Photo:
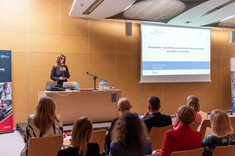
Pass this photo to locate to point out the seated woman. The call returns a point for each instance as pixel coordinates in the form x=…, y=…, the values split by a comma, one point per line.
x=193, y=102
x=130, y=137
x=222, y=132
x=44, y=123
x=183, y=137
x=81, y=134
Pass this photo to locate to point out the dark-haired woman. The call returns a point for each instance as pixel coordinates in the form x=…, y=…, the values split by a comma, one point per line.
x=130, y=137
x=60, y=72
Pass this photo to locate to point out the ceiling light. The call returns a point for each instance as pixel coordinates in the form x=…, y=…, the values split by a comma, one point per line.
x=227, y=18
x=92, y=7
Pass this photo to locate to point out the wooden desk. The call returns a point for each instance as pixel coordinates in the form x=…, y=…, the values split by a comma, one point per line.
x=97, y=105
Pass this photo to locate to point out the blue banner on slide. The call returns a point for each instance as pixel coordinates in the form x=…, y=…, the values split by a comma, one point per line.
x=164, y=65
x=5, y=66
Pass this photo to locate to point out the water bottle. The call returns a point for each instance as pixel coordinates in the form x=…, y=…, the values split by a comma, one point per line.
x=105, y=85
x=101, y=85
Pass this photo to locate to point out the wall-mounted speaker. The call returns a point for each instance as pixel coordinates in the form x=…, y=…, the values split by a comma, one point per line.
x=231, y=36
x=128, y=29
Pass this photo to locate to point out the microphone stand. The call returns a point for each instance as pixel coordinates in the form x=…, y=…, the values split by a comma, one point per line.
x=94, y=78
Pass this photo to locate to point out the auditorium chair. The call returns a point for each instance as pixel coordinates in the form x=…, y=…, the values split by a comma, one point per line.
x=195, y=152
x=195, y=125
x=204, y=115
x=45, y=145
x=157, y=134
x=232, y=118
x=208, y=131
x=224, y=150
x=206, y=123
x=98, y=136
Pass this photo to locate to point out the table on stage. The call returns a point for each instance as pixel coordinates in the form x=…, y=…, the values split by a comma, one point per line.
x=98, y=105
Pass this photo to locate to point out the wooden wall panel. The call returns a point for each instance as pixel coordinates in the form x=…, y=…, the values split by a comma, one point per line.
x=16, y=42
x=102, y=27
x=226, y=85
x=19, y=87
x=216, y=43
x=173, y=97
x=128, y=76
x=151, y=89
x=102, y=45
x=74, y=44
x=212, y=90
x=71, y=25
x=103, y=66
x=78, y=66
x=121, y=29
x=39, y=74
x=227, y=48
x=43, y=16
x=128, y=46
x=44, y=43
x=13, y=15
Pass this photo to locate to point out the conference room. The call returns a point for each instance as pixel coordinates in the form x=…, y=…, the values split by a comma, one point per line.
x=137, y=48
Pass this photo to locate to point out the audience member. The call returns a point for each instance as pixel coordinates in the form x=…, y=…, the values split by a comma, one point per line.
x=80, y=145
x=153, y=118
x=44, y=123
x=130, y=137
x=193, y=102
x=123, y=105
x=222, y=132
x=183, y=137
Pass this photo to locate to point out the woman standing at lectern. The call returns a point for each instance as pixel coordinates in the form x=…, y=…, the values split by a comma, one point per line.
x=60, y=72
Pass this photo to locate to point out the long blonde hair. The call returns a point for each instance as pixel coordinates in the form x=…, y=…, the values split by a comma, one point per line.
x=220, y=123
x=45, y=114
x=81, y=134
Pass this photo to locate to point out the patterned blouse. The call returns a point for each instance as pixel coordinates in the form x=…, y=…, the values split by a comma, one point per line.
x=32, y=131
x=211, y=142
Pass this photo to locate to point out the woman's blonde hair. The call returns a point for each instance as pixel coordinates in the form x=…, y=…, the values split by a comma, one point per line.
x=130, y=131
x=193, y=101
x=186, y=114
x=45, y=114
x=124, y=104
x=220, y=123
x=81, y=134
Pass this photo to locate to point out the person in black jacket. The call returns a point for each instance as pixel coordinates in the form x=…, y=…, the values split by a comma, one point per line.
x=153, y=118
x=123, y=105
x=60, y=72
x=80, y=145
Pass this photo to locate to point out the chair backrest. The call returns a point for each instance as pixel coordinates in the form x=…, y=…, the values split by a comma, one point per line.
x=98, y=136
x=224, y=150
x=157, y=134
x=45, y=145
x=204, y=115
x=208, y=131
x=195, y=152
x=195, y=125
x=232, y=118
x=206, y=123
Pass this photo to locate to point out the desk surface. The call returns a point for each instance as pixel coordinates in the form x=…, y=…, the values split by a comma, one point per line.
x=98, y=105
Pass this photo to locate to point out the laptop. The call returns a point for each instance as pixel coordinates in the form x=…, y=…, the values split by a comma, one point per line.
x=50, y=85
x=69, y=85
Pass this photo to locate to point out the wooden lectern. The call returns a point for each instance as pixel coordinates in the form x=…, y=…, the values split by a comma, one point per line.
x=98, y=105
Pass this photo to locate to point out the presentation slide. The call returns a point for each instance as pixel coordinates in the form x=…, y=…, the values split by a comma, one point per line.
x=174, y=54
